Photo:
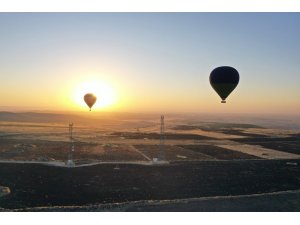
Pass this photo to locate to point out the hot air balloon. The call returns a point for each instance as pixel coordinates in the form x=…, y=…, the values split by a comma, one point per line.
x=90, y=100
x=224, y=80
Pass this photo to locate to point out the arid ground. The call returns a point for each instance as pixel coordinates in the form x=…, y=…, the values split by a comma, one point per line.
x=119, y=164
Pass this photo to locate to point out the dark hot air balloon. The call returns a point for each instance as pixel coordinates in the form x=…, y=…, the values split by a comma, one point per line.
x=90, y=100
x=224, y=80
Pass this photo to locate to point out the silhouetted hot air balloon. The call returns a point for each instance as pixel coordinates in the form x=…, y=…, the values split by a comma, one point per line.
x=90, y=100
x=224, y=80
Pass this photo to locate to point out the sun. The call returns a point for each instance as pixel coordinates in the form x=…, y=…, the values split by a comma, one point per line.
x=106, y=95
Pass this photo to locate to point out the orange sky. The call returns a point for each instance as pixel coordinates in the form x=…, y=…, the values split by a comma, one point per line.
x=149, y=62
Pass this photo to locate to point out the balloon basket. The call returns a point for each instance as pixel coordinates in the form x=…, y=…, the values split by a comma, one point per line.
x=223, y=101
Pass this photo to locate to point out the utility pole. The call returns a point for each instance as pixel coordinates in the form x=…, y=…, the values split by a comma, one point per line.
x=70, y=162
x=162, y=138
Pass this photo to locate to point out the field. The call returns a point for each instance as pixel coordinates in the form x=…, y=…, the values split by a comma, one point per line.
x=120, y=161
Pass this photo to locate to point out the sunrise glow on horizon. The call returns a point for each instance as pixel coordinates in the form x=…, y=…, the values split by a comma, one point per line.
x=106, y=95
x=149, y=62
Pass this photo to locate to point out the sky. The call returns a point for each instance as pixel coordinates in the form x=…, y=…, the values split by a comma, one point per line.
x=149, y=62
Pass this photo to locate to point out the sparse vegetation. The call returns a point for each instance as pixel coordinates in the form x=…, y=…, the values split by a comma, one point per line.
x=196, y=166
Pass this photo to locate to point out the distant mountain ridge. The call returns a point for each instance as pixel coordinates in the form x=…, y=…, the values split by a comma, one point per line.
x=94, y=118
x=37, y=117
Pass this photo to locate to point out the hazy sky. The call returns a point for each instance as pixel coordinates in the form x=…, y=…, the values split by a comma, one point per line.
x=157, y=62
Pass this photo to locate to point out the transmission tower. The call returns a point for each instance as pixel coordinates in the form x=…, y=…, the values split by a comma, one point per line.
x=162, y=138
x=70, y=161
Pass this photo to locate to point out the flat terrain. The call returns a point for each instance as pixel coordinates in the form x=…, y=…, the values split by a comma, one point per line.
x=119, y=161
x=34, y=185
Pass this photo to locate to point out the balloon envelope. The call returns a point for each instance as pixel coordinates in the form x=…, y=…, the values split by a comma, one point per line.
x=90, y=100
x=224, y=80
